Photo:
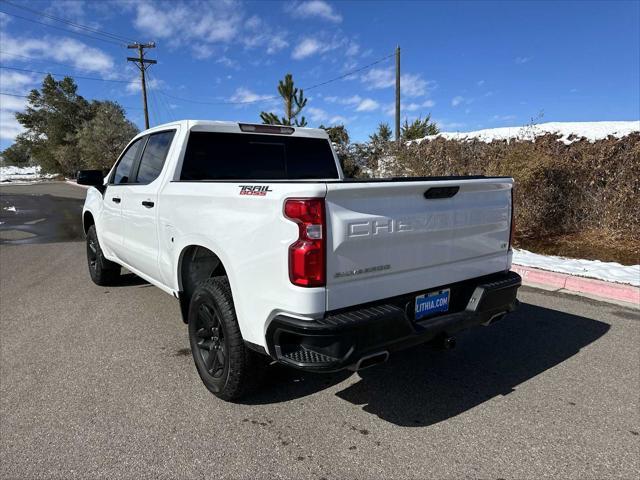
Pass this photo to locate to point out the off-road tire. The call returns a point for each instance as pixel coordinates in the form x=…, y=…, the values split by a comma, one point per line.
x=103, y=272
x=234, y=369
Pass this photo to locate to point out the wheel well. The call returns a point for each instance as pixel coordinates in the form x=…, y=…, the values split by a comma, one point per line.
x=197, y=263
x=87, y=221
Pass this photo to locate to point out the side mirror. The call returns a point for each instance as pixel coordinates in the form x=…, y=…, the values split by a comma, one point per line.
x=94, y=178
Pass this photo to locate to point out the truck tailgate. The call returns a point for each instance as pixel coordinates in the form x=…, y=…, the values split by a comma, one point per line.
x=388, y=238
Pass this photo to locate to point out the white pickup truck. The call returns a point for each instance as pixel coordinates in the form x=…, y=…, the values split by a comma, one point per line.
x=274, y=255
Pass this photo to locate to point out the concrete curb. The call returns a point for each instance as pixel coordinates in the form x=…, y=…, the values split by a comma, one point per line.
x=599, y=288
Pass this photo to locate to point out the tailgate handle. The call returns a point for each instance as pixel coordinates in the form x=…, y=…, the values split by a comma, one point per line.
x=441, y=192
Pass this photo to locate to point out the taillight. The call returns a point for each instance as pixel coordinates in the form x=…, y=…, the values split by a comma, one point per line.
x=512, y=231
x=307, y=254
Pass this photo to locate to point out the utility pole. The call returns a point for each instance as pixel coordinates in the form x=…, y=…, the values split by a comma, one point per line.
x=140, y=62
x=398, y=94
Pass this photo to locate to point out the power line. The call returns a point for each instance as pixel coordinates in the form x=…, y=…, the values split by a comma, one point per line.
x=161, y=101
x=69, y=22
x=113, y=42
x=353, y=72
x=27, y=96
x=274, y=97
x=66, y=75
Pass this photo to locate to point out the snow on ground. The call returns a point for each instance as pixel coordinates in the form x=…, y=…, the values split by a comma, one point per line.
x=23, y=175
x=608, y=271
x=569, y=131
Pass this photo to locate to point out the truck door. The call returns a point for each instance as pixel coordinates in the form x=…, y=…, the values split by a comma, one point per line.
x=110, y=233
x=140, y=206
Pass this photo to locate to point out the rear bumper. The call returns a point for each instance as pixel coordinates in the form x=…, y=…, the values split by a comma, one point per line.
x=343, y=338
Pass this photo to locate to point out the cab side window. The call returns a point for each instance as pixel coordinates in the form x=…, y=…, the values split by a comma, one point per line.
x=122, y=172
x=155, y=153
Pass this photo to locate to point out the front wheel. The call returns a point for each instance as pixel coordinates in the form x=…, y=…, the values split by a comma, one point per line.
x=225, y=365
x=103, y=272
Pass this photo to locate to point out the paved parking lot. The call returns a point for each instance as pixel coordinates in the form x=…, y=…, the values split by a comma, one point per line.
x=99, y=382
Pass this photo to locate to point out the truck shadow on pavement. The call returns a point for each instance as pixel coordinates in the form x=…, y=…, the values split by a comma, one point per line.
x=424, y=385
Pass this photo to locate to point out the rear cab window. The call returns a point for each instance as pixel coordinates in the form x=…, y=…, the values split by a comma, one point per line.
x=248, y=156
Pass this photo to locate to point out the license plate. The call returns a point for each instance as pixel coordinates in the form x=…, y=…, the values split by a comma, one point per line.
x=432, y=302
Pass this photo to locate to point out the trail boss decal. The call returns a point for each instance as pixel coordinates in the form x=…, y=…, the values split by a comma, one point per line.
x=257, y=190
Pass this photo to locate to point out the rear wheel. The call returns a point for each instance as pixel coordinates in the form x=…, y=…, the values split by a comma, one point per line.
x=225, y=365
x=103, y=272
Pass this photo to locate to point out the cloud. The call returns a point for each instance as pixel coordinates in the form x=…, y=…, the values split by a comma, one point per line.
x=18, y=83
x=308, y=47
x=244, y=95
x=208, y=21
x=480, y=83
x=204, y=26
x=152, y=83
x=522, y=60
x=315, y=8
x=4, y=20
x=377, y=78
x=411, y=85
x=227, y=62
x=322, y=43
x=318, y=115
x=59, y=49
x=201, y=50
x=455, y=101
x=367, y=105
x=390, y=108
x=258, y=34
x=360, y=104
x=9, y=126
x=353, y=100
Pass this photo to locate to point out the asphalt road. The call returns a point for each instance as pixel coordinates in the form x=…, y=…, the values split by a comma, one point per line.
x=99, y=382
x=40, y=213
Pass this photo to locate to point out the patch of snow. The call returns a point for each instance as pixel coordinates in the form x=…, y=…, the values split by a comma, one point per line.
x=10, y=209
x=569, y=132
x=608, y=271
x=23, y=175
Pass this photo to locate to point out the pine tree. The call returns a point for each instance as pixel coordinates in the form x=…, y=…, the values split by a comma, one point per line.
x=294, y=102
x=102, y=139
x=65, y=133
x=51, y=119
x=418, y=128
x=381, y=136
x=337, y=134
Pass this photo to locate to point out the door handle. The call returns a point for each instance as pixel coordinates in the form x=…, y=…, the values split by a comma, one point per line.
x=148, y=203
x=115, y=200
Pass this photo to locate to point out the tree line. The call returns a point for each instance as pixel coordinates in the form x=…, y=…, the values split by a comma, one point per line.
x=64, y=132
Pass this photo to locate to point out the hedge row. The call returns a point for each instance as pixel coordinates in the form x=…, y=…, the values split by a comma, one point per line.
x=560, y=188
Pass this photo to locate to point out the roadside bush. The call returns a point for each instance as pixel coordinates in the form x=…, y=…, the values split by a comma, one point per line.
x=560, y=189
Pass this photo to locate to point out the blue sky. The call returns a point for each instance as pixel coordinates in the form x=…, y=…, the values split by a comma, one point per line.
x=471, y=65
